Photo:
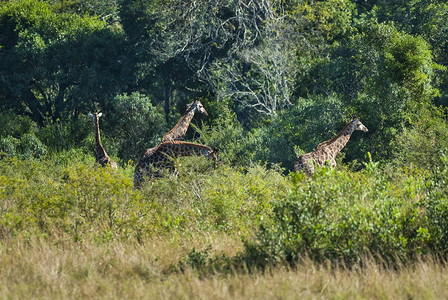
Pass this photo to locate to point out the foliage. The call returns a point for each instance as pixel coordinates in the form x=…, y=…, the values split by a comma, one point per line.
x=424, y=143
x=63, y=136
x=345, y=217
x=56, y=64
x=69, y=195
x=15, y=125
x=277, y=78
x=106, y=9
x=342, y=216
x=436, y=205
x=226, y=134
x=133, y=118
x=28, y=146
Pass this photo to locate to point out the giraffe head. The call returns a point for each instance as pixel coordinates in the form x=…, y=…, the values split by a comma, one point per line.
x=95, y=116
x=196, y=105
x=358, y=125
x=214, y=154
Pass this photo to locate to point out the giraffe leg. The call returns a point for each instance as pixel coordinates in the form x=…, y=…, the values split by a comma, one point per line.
x=137, y=178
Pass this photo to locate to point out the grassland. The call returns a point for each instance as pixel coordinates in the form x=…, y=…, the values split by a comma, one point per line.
x=79, y=231
x=39, y=269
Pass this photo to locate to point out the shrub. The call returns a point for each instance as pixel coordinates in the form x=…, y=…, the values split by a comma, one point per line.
x=423, y=143
x=8, y=146
x=436, y=205
x=237, y=146
x=135, y=125
x=15, y=125
x=64, y=136
x=28, y=146
x=342, y=216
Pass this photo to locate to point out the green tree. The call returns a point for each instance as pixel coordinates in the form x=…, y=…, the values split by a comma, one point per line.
x=424, y=18
x=385, y=75
x=56, y=65
x=135, y=125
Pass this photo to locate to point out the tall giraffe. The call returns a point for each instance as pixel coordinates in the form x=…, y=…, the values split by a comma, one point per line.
x=328, y=150
x=162, y=158
x=177, y=133
x=100, y=154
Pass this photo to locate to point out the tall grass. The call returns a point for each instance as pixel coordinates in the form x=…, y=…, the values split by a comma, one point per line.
x=70, y=229
x=38, y=269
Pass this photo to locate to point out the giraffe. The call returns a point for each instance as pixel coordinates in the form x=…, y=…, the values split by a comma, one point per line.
x=178, y=131
x=162, y=158
x=101, y=156
x=328, y=150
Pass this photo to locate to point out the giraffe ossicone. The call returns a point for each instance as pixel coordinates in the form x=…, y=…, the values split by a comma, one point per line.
x=327, y=151
x=101, y=156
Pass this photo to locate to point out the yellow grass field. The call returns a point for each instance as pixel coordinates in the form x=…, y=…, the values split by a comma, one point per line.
x=35, y=269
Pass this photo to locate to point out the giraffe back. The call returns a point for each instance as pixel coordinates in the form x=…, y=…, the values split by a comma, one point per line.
x=161, y=158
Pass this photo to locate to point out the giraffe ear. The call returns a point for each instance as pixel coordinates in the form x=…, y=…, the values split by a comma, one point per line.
x=100, y=114
x=354, y=118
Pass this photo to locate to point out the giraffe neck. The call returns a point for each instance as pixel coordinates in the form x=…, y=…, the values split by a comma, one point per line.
x=181, y=127
x=100, y=152
x=335, y=145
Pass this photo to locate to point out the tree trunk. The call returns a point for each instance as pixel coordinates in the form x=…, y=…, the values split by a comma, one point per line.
x=167, y=99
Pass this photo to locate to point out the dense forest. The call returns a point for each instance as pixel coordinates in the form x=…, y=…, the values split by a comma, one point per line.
x=276, y=78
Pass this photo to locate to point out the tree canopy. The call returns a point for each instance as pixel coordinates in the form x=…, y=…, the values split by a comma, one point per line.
x=274, y=74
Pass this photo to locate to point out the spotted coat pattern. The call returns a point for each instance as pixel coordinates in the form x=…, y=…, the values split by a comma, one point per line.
x=162, y=158
x=100, y=154
x=326, y=152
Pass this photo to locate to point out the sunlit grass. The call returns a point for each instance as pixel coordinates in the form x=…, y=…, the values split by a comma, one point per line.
x=37, y=269
x=79, y=231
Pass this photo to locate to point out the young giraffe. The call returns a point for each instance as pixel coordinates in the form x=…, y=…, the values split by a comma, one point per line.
x=101, y=156
x=177, y=133
x=328, y=150
x=162, y=158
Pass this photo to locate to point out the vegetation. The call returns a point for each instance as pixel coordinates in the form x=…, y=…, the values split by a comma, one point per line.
x=276, y=78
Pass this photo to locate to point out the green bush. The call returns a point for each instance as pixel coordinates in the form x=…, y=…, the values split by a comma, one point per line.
x=134, y=124
x=8, y=146
x=423, y=143
x=74, y=201
x=225, y=199
x=237, y=146
x=28, y=146
x=342, y=216
x=79, y=200
x=61, y=136
x=436, y=206
x=15, y=125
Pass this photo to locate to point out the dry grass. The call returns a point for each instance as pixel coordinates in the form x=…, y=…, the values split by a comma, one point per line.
x=37, y=269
